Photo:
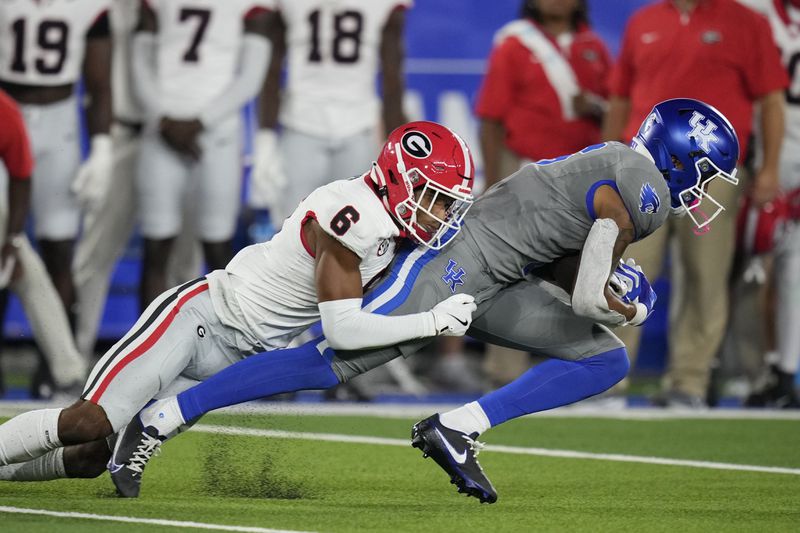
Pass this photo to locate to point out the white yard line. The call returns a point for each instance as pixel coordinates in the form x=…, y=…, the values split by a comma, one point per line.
x=518, y=450
x=149, y=521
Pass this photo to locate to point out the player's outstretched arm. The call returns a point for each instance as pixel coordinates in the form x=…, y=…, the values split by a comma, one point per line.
x=347, y=326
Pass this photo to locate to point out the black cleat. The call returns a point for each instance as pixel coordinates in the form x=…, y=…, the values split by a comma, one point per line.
x=134, y=448
x=456, y=453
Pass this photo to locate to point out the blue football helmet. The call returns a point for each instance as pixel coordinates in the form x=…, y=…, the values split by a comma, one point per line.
x=691, y=143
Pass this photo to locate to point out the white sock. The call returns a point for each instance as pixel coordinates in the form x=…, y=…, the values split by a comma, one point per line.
x=164, y=415
x=28, y=436
x=48, y=466
x=469, y=418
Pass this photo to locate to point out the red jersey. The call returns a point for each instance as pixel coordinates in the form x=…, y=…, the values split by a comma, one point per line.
x=15, y=149
x=517, y=92
x=721, y=53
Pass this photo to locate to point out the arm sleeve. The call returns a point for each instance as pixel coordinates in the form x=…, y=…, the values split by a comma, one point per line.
x=588, y=297
x=347, y=327
x=254, y=59
x=143, y=71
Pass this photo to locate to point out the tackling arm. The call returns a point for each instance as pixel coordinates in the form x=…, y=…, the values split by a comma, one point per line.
x=347, y=326
x=339, y=291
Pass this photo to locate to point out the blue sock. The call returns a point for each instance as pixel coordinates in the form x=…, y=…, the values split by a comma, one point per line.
x=555, y=383
x=258, y=376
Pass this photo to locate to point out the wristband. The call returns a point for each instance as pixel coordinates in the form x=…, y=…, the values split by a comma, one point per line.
x=640, y=316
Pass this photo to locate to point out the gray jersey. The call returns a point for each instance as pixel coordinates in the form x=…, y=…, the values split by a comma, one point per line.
x=545, y=210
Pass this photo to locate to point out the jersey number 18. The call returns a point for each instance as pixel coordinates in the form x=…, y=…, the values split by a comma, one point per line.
x=347, y=27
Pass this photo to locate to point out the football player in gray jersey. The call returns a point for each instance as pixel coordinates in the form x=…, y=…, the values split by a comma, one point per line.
x=582, y=209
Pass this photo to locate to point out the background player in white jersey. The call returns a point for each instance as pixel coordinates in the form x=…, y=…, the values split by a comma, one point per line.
x=195, y=65
x=784, y=19
x=108, y=226
x=45, y=47
x=340, y=237
x=329, y=110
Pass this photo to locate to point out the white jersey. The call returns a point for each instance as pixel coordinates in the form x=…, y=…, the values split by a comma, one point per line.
x=124, y=17
x=268, y=290
x=199, y=42
x=333, y=52
x=42, y=42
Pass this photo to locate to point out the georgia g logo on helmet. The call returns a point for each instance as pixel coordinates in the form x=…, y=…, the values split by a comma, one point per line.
x=416, y=144
x=703, y=133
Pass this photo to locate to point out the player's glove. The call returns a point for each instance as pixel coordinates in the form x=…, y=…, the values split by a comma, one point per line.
x=453, y=316
x=91, y=183
x=267, y=179
x=630, y=284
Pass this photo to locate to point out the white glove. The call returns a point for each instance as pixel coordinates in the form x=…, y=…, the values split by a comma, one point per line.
x=91, y=183
x=453, y=316
x=267, y=179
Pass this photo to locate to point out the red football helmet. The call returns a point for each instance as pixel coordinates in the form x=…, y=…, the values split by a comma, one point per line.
x=425, y=160
x=759, y=229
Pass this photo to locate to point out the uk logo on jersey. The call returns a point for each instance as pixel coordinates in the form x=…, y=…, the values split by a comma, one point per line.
x=453, y=277
x=702, y=132
x=649, y=202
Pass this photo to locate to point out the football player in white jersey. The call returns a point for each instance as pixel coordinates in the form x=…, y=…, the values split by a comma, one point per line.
x=45, y=47
x=784, y=19
x=338, y=239
x=195, y=65
x=329, y=111
x=107, y=227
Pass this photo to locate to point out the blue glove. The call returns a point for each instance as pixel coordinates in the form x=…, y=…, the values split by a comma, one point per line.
x=636, y=290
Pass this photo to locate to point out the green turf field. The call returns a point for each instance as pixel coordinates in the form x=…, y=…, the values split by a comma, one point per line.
x=301, y=484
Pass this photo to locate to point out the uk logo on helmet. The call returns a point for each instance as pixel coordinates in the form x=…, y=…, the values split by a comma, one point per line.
x=649, y=202
x=703, y=133
x=416, y=144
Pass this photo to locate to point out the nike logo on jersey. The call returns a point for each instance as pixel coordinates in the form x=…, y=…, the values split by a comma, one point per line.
x=459, y=458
